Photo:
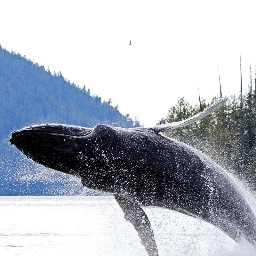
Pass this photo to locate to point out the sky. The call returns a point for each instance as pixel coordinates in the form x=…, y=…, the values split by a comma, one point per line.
x=177, y=47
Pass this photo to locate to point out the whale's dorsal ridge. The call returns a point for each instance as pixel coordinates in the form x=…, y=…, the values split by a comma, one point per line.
x=188, y=121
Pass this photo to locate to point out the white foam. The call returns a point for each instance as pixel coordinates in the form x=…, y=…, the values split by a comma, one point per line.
x=242, y=249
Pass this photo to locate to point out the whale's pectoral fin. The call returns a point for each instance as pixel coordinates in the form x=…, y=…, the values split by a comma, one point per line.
x=186, y=122
x=136, y=215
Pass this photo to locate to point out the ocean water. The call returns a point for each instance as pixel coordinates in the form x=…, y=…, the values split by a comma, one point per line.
x=94, y=226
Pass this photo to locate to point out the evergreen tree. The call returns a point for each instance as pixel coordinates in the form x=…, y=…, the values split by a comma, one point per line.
x=227, y=136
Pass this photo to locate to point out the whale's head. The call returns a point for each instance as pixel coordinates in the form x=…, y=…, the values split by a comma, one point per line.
x=69, y=149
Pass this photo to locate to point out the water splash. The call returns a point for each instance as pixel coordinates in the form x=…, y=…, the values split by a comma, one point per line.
x=21, y=176
x=242, y=249
x=245, y=190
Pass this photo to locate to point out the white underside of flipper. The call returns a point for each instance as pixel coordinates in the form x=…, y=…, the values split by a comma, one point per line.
x=188, y=121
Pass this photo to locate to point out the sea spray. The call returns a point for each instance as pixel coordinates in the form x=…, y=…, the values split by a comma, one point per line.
x=242, y=249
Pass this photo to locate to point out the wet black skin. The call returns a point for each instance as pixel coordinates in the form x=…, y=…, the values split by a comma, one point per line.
x=143, y=167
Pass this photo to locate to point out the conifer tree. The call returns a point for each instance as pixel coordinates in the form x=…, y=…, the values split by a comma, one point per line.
x=228, y=135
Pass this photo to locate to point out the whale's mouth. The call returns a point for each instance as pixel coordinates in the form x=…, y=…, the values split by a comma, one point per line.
x=53, y=129
x=34, y=138
x=50, y=144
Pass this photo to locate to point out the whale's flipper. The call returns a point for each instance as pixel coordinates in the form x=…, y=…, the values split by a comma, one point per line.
x=188, y=121
x=138, y=218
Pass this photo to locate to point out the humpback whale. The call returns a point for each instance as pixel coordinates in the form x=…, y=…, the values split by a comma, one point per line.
x=142, y=167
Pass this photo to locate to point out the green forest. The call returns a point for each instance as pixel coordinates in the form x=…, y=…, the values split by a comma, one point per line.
x=228, y=136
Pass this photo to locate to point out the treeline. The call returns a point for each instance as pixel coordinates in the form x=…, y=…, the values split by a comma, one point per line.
x=228, y=136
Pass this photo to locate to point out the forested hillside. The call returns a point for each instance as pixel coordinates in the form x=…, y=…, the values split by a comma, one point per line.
x=30, y=94
x=228, y=136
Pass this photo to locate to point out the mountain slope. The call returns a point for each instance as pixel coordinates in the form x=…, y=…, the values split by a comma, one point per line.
x=29, y=94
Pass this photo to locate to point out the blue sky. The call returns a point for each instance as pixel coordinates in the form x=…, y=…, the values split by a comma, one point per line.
x=177, y=47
